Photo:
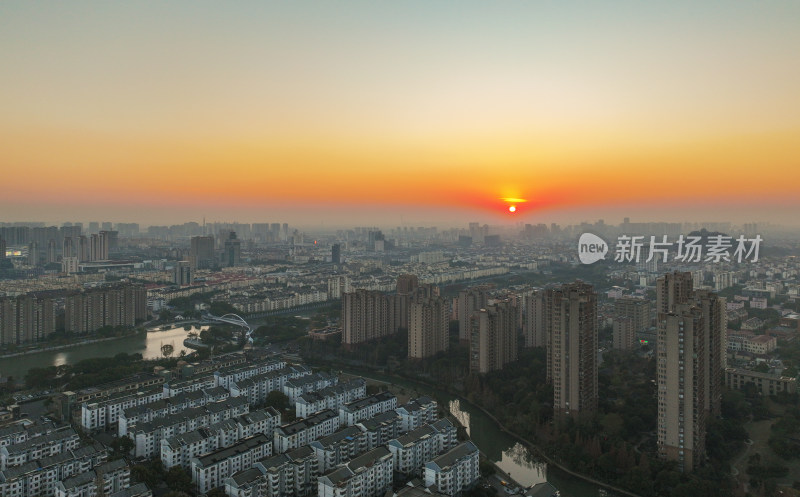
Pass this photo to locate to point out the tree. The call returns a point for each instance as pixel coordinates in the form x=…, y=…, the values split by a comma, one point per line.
x=761, y=368
x=278, y=400
x=612, y=423
x=178, y=479
x=122, y=445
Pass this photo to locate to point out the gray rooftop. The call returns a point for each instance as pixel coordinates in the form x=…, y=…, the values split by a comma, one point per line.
x=368, y=401
x=239, y=447
x=453, y=455
x=302, y=424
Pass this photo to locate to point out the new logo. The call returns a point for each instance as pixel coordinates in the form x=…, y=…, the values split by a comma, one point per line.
x=591, y=248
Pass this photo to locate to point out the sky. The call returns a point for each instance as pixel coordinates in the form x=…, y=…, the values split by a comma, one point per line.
x=344, y=113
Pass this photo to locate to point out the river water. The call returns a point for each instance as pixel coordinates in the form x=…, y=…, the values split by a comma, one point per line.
x=499, y=447
x=148, y=344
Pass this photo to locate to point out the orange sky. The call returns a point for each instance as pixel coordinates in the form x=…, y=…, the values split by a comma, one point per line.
x=138, y=112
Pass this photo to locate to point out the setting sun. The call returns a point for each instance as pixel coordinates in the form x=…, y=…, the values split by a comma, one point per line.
x=512, y=208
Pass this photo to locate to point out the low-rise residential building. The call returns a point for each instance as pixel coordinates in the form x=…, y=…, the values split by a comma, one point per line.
x=256, y=388
x=369, y=475
x=311, y=383
x=38, y=478
x=105, y=479
x=747, y=342
x=332, y=397
x=246, y=483
x=259, y=421
x=175, y=387
x=180, y=449
x=144, y=413
x=211, y=470
x=765, y=383
x=104, y=413
x=304, y=431
x=454, y=471
x=412, y=450
x=418, y=412
x=353, y=412
x=380, y=428
x=339, y=447
x=294, y=473
x=138, y=490
x=148, y=436
x=224, y=377
x=31, y=449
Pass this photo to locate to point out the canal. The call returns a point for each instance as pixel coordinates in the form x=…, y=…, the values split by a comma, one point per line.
x=148, y=344
x=498, y=446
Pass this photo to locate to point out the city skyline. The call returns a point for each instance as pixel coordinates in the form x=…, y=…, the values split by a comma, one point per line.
x=156, y=113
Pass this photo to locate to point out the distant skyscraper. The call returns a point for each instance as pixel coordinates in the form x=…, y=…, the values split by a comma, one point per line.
x=98, y=247
x=428, y=326
x=631, y=317
x=336, y=253
x=493, y=337
x=33, y=254
x=691, y=359
x=84, y=249
x=469, y=301
x=51, y=251
x=68, y=247
x=571, y=320
x=201, y=252
x=2, y=249
x=232, y=251
x=183, y=274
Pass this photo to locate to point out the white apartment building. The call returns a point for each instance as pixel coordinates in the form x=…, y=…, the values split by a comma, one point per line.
x=369, y=475
x=104, y=414
x=380, y=428
x=38, y=478
x=454, y=471
x=339, y=447
x=212, y=469
x=353, y=412
x=304, y=431
x=148, y=436
x=332, y=397
x=114, y=476
x=225, y=376
x=45, y=445
x=412, y=450
x=417, y=412
x=294, y=388
x=293, y=474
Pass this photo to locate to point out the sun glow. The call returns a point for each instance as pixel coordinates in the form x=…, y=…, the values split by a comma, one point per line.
x=512, y=208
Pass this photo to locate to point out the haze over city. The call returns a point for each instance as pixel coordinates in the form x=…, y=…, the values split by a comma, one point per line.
x=399, y=249
x=159, y=113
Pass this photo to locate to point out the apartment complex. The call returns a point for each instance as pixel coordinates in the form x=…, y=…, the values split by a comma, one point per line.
x=493, y=337
x=690, y=363
x=571, y=321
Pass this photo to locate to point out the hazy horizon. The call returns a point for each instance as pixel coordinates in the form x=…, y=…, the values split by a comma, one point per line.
x=399, y=113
